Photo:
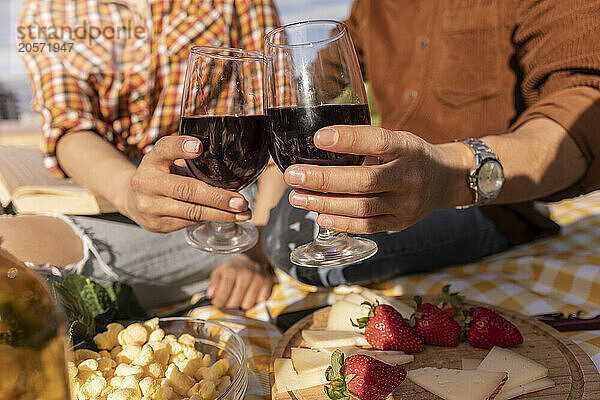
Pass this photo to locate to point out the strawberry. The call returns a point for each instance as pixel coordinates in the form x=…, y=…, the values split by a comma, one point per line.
x=433, y=325
x=385, y=329
x=361, y=377
x=450, y=303
x=487, y=329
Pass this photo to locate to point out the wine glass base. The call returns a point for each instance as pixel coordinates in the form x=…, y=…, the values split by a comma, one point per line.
x=222, y=238
x=341, y=251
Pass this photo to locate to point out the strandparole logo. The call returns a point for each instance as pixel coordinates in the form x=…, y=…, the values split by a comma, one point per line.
x=84, y=31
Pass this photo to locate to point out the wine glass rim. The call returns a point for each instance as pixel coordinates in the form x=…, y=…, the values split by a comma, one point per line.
x=272, y=33
x=221, y=53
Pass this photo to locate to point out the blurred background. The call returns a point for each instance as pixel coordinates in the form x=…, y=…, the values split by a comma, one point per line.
x=15, y=92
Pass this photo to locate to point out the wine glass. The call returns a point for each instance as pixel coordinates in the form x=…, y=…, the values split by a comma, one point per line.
x=222, y=106
x=313, y=80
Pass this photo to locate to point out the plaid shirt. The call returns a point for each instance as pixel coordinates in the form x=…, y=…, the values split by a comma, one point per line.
x=123, y=75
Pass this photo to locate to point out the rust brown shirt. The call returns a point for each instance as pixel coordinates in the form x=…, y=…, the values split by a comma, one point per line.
x=447, y=69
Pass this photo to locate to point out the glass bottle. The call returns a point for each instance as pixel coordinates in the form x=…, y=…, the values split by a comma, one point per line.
x=32, y=337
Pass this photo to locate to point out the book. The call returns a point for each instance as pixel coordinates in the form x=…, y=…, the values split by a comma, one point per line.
x=26, y=184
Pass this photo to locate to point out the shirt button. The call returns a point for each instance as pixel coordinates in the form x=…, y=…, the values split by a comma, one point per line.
x=412, y=94
x=423, y=42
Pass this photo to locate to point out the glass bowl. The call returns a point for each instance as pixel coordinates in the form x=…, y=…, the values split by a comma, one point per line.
x=220, y=342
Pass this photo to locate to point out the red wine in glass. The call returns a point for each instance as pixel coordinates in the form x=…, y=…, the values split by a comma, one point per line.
x=234, y=149
x=291, y=131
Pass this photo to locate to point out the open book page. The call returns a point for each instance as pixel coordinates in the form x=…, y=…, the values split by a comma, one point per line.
x=25, y=182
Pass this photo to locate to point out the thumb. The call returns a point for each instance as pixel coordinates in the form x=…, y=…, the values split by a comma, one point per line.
x=170, y=148
x=360, y=140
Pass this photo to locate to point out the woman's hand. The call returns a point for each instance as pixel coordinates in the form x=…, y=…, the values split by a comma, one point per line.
x=240, y=283
x=160, y=201
x=403, y=179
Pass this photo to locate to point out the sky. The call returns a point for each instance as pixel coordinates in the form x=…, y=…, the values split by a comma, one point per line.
x=12, y=72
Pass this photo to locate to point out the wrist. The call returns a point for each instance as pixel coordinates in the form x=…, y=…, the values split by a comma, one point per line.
x=122, y=190
x=457, y=163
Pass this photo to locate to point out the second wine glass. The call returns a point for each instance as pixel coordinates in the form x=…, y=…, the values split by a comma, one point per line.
x=313, y=80
x=222, y=106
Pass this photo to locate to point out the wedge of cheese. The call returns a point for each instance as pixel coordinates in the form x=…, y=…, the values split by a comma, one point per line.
x=355, y=298
x=341, y=314
x=286, y=378
x=456, y=384
x=469, y=364
x=400, y=306
x=531, y=387
x=309, y=360
x=521, y=370
x=319, y=339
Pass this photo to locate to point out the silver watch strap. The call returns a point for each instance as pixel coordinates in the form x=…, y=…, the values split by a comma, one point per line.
x=481, y=151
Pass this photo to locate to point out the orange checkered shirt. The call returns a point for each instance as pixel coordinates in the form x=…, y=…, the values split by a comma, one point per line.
x=117, y=66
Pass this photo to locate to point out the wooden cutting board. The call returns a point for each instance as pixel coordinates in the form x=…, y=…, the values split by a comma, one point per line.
x=570, y=368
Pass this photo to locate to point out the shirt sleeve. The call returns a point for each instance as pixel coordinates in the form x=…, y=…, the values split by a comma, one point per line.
x=61, y=81
x=558, y=48
x=255, y=18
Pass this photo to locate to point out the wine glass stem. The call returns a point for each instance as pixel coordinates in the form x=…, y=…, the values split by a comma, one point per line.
x=326, y=235
x=224, y=229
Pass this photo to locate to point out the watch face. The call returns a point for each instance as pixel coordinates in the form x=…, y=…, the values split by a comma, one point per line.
x=490, y=178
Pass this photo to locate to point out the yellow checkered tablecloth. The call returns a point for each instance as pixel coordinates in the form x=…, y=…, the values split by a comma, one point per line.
x=557, y=274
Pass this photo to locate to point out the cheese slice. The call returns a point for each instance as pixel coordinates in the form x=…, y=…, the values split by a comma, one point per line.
x=469, y=364
x=456, y=384
x=319, y=339
x=309, y=360
x=531, y=387
x=355, y=298
x=400, y=306
x=286, y=379
x=521, y=370
x=341, y=314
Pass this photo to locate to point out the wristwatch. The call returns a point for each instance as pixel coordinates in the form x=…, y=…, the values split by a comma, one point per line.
x=487, y=178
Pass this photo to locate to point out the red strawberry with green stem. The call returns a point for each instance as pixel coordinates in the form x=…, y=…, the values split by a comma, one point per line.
x=486, y=329
x=361, y=377
x=450, y=303
x=433, y=325
x=385, y=329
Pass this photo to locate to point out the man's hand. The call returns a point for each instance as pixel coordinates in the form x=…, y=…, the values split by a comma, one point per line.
x=160, y=201
x=403, y=179
x=240, y=283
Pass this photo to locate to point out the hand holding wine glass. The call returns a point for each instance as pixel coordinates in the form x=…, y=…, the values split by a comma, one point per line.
x=160, y=201
x=313, y=80
x=403, y=179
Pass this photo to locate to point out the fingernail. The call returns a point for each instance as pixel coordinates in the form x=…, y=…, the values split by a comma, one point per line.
x=243, y=217
x=192, y=146
x=326, y=137
x=299, y=200
x=238, y=203
x=325, y=222
x=294, y=176
x=210, y=292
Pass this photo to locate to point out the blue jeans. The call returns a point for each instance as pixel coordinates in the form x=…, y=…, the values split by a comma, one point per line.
x=445, y=237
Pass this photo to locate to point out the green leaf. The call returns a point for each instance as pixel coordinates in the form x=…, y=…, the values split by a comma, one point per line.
x=329, y=374
x=337, y=364
x=328, y=392
x=354, y=396
x=80, y=322
x=349, y=377
x=128, y=306
x=338, y=385
x=418, y=301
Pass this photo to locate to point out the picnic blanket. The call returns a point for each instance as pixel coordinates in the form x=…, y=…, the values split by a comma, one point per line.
x=561, y=273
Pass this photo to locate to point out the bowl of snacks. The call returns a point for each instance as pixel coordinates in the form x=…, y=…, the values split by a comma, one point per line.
x=166, y=358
